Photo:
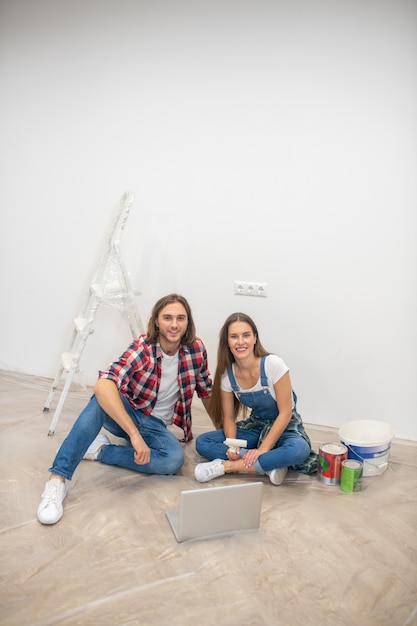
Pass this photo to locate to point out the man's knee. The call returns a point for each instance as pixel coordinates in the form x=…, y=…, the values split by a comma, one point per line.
x=174, y=462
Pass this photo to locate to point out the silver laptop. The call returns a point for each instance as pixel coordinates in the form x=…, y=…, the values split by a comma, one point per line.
x=212, y=511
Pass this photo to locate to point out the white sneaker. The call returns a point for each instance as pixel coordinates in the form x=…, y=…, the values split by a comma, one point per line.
x=95, y=447
x=276, y=476
x=50, y=509
x=207, y=471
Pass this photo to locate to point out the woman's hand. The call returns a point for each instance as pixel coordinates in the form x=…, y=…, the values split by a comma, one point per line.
x=251, y=456
x=233, y=454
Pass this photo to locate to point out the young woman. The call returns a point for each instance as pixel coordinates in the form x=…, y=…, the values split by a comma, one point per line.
x=247, y=376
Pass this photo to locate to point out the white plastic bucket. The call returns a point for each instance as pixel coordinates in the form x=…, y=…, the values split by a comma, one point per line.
x=368, y=441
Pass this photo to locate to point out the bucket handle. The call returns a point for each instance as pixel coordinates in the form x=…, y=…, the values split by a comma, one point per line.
x=378, y=465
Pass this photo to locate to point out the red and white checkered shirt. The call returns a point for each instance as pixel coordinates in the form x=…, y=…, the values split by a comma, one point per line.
x=137, y=374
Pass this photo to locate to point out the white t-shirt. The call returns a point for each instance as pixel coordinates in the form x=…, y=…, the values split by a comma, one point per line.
x=275, y=368
x=168, y=388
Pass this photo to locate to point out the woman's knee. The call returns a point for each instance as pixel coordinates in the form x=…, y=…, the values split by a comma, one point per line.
x=206, y=441
x=301, y=450
x=199, y=442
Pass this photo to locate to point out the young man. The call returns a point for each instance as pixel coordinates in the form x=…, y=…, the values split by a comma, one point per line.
x=149, y=386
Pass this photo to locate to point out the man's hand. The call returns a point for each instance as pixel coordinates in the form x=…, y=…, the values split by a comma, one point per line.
x=142, y=454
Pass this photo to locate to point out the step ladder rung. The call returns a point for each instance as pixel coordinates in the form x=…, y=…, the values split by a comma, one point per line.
x=108, y=289
x=80, y=323
x=69, y=360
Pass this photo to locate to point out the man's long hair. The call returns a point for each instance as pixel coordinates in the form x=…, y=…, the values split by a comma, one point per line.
x=189, y=336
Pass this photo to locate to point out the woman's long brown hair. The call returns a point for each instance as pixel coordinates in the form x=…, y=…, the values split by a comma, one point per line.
x=224, y=362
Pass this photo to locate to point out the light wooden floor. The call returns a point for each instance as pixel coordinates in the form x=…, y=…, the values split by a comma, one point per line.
x=321, y=556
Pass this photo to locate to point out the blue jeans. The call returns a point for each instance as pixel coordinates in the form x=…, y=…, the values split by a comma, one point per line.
x=290, y=449
x=167, y=455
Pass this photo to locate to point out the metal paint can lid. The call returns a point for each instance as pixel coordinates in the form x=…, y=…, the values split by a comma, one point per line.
x=334, y=448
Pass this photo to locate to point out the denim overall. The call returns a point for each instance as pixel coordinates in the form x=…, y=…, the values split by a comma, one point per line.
x=261, y=402
x=292, y=448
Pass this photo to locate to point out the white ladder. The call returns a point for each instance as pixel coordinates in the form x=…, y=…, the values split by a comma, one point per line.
x=110, y=286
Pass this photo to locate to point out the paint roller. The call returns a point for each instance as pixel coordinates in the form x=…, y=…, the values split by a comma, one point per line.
x=233, y=444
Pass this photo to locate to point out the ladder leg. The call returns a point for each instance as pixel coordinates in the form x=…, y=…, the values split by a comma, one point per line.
x=74, y=368
x=131, y=316
x=53, y=389
x=62, y=399
x=58, y=376
x=69, y=349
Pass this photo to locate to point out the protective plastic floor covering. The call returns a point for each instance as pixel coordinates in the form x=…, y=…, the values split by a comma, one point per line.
x=320, y=557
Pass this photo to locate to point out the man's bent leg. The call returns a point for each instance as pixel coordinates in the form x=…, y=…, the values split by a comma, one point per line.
x=167, y=456
x=84, y=431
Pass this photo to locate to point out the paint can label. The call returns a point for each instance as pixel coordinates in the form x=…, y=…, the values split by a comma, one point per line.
x=331, y=456
x=351, y=475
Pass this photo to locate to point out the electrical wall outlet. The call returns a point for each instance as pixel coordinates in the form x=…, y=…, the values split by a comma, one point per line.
x=245, y=288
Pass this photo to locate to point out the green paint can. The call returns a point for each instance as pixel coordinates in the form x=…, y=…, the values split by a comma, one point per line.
x=350, y=476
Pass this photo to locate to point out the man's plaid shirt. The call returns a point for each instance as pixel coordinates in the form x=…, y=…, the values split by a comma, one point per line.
x=137, y=374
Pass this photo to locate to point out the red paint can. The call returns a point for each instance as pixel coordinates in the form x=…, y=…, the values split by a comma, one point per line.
x=331, y=457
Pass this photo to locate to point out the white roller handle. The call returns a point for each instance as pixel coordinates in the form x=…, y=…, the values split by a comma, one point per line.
x=233, y=444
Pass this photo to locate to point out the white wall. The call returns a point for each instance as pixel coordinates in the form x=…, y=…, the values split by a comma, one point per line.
x=265, y=140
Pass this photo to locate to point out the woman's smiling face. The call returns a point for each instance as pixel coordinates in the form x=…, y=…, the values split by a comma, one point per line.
x=241, y=339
